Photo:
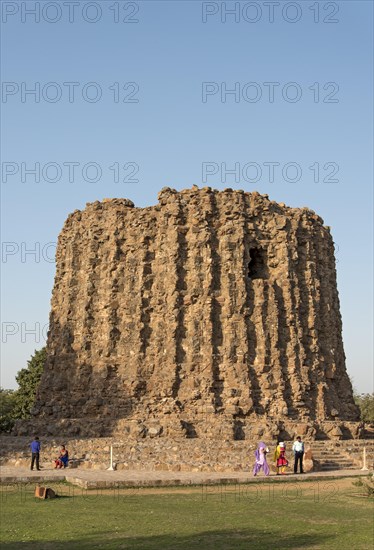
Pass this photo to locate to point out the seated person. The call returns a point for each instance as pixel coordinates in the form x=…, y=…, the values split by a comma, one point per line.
x=63, y=459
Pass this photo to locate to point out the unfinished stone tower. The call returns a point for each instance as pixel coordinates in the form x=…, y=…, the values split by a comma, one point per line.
x=211, y=314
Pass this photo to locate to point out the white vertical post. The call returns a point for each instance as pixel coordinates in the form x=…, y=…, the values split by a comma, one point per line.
x=364, y=467
x=111, y=469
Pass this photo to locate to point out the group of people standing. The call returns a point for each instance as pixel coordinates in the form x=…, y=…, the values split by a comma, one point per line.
x=280, y=459
x=61, y=461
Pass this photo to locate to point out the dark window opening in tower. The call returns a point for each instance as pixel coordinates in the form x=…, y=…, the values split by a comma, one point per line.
x=257, y=266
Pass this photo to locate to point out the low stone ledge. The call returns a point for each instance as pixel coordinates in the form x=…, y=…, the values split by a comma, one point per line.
x=110, y=480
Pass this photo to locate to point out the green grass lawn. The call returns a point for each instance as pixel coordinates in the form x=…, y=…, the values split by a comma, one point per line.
x=264, y=515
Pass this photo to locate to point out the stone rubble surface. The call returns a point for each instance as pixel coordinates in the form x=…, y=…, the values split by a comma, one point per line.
x=210, y=315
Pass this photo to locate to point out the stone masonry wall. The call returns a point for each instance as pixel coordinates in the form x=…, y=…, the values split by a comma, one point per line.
x=162, y=453
x=203, y=316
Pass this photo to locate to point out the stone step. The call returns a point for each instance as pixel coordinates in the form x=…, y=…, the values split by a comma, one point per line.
x=369, y=445
x=342, y=457
x=328, y=452
x=328, y=468
x=342, y=454
x=334, y=467
x=333, y=464
x=332, y=461
x=328, y=456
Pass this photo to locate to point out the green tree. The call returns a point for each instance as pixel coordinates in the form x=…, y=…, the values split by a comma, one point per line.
x=28, y=380
x=366, y=403
x=7, y=409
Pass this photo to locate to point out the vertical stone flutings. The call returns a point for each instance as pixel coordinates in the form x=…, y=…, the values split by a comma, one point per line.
x=180, y=289
x=215, y=306
x=211, y=309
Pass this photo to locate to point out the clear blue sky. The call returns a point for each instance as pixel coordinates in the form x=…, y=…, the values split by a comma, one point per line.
x=168, y=134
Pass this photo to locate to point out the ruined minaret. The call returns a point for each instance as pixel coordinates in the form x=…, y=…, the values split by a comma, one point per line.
x=206, y=314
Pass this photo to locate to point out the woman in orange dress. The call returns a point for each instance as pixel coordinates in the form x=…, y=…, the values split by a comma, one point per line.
x=281, y=461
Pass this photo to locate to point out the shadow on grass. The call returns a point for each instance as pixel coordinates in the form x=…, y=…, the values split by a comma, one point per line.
x=242, y=539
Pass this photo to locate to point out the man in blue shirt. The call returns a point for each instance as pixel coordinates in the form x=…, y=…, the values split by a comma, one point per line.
x=35, y=453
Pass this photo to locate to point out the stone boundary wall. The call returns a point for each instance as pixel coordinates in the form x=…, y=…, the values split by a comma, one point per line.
x=173, y=455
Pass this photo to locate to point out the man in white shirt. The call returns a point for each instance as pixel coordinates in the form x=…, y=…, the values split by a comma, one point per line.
x=298, y=451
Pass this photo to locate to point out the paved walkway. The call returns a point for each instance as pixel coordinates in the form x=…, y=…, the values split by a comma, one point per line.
x=91, y=479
